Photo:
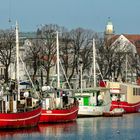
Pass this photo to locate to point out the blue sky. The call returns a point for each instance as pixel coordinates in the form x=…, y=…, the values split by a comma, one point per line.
x=88, y=14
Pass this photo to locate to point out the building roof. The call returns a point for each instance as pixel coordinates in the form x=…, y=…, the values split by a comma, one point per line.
x=133, y=38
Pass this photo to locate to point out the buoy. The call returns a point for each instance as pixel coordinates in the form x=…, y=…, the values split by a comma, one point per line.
x=118, y=132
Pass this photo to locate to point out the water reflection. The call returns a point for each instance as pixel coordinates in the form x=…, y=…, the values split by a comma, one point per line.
x=94, y=128
x=18, y=133
x=57, y=129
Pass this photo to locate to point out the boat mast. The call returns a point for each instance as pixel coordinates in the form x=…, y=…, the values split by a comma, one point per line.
x=58, y=71
x=126, y=68
x=17, y=56
x=81, y=77
x=94, y=63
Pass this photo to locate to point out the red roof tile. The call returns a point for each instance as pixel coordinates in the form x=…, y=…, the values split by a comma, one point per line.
x=133, y=38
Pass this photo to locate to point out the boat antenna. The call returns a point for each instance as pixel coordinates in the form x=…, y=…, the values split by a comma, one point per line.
x=10, y=6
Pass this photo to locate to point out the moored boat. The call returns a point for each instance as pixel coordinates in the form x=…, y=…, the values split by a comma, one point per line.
x=19, y=107
x=117, y=112
x=20, y=119
x=125, y=95
x=112, y=114
x=93, y=101
x=58, y=106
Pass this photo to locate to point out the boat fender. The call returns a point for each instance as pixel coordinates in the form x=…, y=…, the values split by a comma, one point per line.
x=26, y=94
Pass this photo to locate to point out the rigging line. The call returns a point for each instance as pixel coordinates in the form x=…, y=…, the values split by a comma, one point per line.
x=65, y=74
x=29, y=77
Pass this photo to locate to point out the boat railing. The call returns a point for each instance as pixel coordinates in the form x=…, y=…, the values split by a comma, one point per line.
x=24, y=107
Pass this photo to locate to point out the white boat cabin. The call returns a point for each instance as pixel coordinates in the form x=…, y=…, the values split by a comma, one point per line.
x=124, y=92
x=93, y=97
x=57, y=99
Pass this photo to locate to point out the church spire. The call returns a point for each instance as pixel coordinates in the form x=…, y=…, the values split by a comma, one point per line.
x=109, y=27
x=109, y=30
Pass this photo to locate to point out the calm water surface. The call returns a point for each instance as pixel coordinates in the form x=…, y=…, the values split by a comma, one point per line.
x=97, y=128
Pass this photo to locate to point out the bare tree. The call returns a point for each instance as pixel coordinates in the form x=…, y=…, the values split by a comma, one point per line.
x=77, y=48
x=33, y=54
x=112, y=59
x=65, y=54
x=48, y=35
x=7, y=43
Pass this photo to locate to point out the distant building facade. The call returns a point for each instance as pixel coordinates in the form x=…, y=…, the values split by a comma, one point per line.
x=127, y=43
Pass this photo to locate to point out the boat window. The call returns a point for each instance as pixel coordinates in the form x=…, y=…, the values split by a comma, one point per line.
x=22, y=96
x=136, y=91
x=123, y=97
x=57, y=94
x=119, y=96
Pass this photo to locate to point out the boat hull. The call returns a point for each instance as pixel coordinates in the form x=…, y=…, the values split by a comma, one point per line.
x=59, y=115
x=20, y=120
x=128, y=107
x=112, y=114
x=92, y=110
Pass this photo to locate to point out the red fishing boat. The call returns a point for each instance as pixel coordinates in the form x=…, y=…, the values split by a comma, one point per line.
x=128, y=107
x=20, y=119
x=58, y=106
x=19, y=110
x=59, y=115
x=125, y=96
x=20, y=105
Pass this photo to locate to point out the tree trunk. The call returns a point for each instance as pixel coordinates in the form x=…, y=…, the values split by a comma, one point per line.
x=48, y=78
x=6, y=75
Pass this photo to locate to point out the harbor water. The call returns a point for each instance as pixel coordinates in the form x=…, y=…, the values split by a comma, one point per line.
x=93, y=128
